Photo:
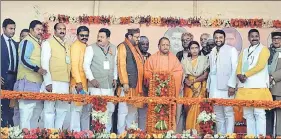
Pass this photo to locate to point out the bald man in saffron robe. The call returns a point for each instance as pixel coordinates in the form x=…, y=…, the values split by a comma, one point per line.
x=165, y=62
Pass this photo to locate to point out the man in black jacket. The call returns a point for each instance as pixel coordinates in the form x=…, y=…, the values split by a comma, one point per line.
x=9, y=64
x=185, y=38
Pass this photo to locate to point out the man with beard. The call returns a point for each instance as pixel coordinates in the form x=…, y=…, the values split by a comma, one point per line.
x=130, y=70
x=9, y=63
x=29, y=78
x=274, y=62
x=55, y=58
x=221, y=82
x=101, y=71
x=142, y=112
x=78, y=81
x=253, y=75
x=185, y=39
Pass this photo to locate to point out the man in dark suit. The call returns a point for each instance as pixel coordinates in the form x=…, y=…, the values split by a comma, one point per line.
x=9, y=64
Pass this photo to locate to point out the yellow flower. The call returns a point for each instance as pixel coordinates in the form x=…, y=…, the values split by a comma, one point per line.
x=123, y=135
x=113, y=136
x=154, y=136
x=133, y=136
x=250, y=136
x=53, y=130
x=147, y=136
x=160, y=136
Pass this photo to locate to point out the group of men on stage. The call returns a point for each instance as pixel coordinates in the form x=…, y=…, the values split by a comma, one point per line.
x=56, y=66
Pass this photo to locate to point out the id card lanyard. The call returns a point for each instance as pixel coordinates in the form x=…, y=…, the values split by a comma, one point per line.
x=67, y=58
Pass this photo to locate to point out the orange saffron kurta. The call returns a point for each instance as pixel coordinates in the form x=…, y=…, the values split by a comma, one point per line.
x=163, y=64
x=160, y=63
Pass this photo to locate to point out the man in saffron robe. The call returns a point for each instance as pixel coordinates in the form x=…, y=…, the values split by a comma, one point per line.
x=130, y=71
x=166, y=62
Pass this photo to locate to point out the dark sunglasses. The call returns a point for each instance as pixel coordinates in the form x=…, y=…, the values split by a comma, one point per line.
x=83, y=35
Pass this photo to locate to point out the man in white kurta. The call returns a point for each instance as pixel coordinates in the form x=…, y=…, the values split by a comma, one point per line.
x=101, y=70
x=55, y=58
x=222, y=80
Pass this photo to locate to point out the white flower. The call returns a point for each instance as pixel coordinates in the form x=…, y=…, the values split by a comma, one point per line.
x=169, y=134
x=213, y=117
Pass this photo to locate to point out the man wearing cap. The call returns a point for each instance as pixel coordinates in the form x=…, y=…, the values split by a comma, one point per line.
x=274, y=63
x=130, y=70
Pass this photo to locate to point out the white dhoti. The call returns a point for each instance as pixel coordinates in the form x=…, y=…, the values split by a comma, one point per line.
x=256, y=120
x=110, y=106
x=29, y=110
x=180, y=116
x=79, y=116
x=127, y=115
x=224, y=114
x=55, y=111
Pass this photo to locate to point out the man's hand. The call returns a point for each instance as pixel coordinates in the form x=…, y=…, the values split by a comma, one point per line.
x=42, y=71
x=79, y=87
x=242, y=78
x=187, y=82
x=2, y=81
x=126, y=87
x=271, y=79
x=231, y=91
x=49, y=88
x=95, y=83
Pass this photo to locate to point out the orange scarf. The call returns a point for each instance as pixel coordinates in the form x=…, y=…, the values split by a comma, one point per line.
x=140, y=63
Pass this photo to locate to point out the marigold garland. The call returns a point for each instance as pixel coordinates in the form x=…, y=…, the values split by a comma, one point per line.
x=167, y=21
x=161, y=85
x=131, y=100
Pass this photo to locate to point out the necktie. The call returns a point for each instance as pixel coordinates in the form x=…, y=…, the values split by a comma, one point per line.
x=12, y=56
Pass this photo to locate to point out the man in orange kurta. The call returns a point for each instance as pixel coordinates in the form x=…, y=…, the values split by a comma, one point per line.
x=130, y=71
x=165, y=62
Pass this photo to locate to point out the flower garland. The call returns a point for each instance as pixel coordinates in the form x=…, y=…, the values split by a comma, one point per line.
x=160, y=116
x=206, y=118
x=132, y=100
x=46, y=33
x=16, y=132
x=166, y=21
x=99, y=117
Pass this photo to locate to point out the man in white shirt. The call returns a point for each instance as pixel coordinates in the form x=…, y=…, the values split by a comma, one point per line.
x=55, y=58
x=221, y=82
x=100, y=67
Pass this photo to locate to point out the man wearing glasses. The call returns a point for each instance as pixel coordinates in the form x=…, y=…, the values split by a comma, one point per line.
x=101, y=71
x=253, y=75
x=78, y=81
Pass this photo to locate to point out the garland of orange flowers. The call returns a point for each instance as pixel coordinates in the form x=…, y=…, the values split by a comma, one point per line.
x=6, y=94
x=152, y=117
